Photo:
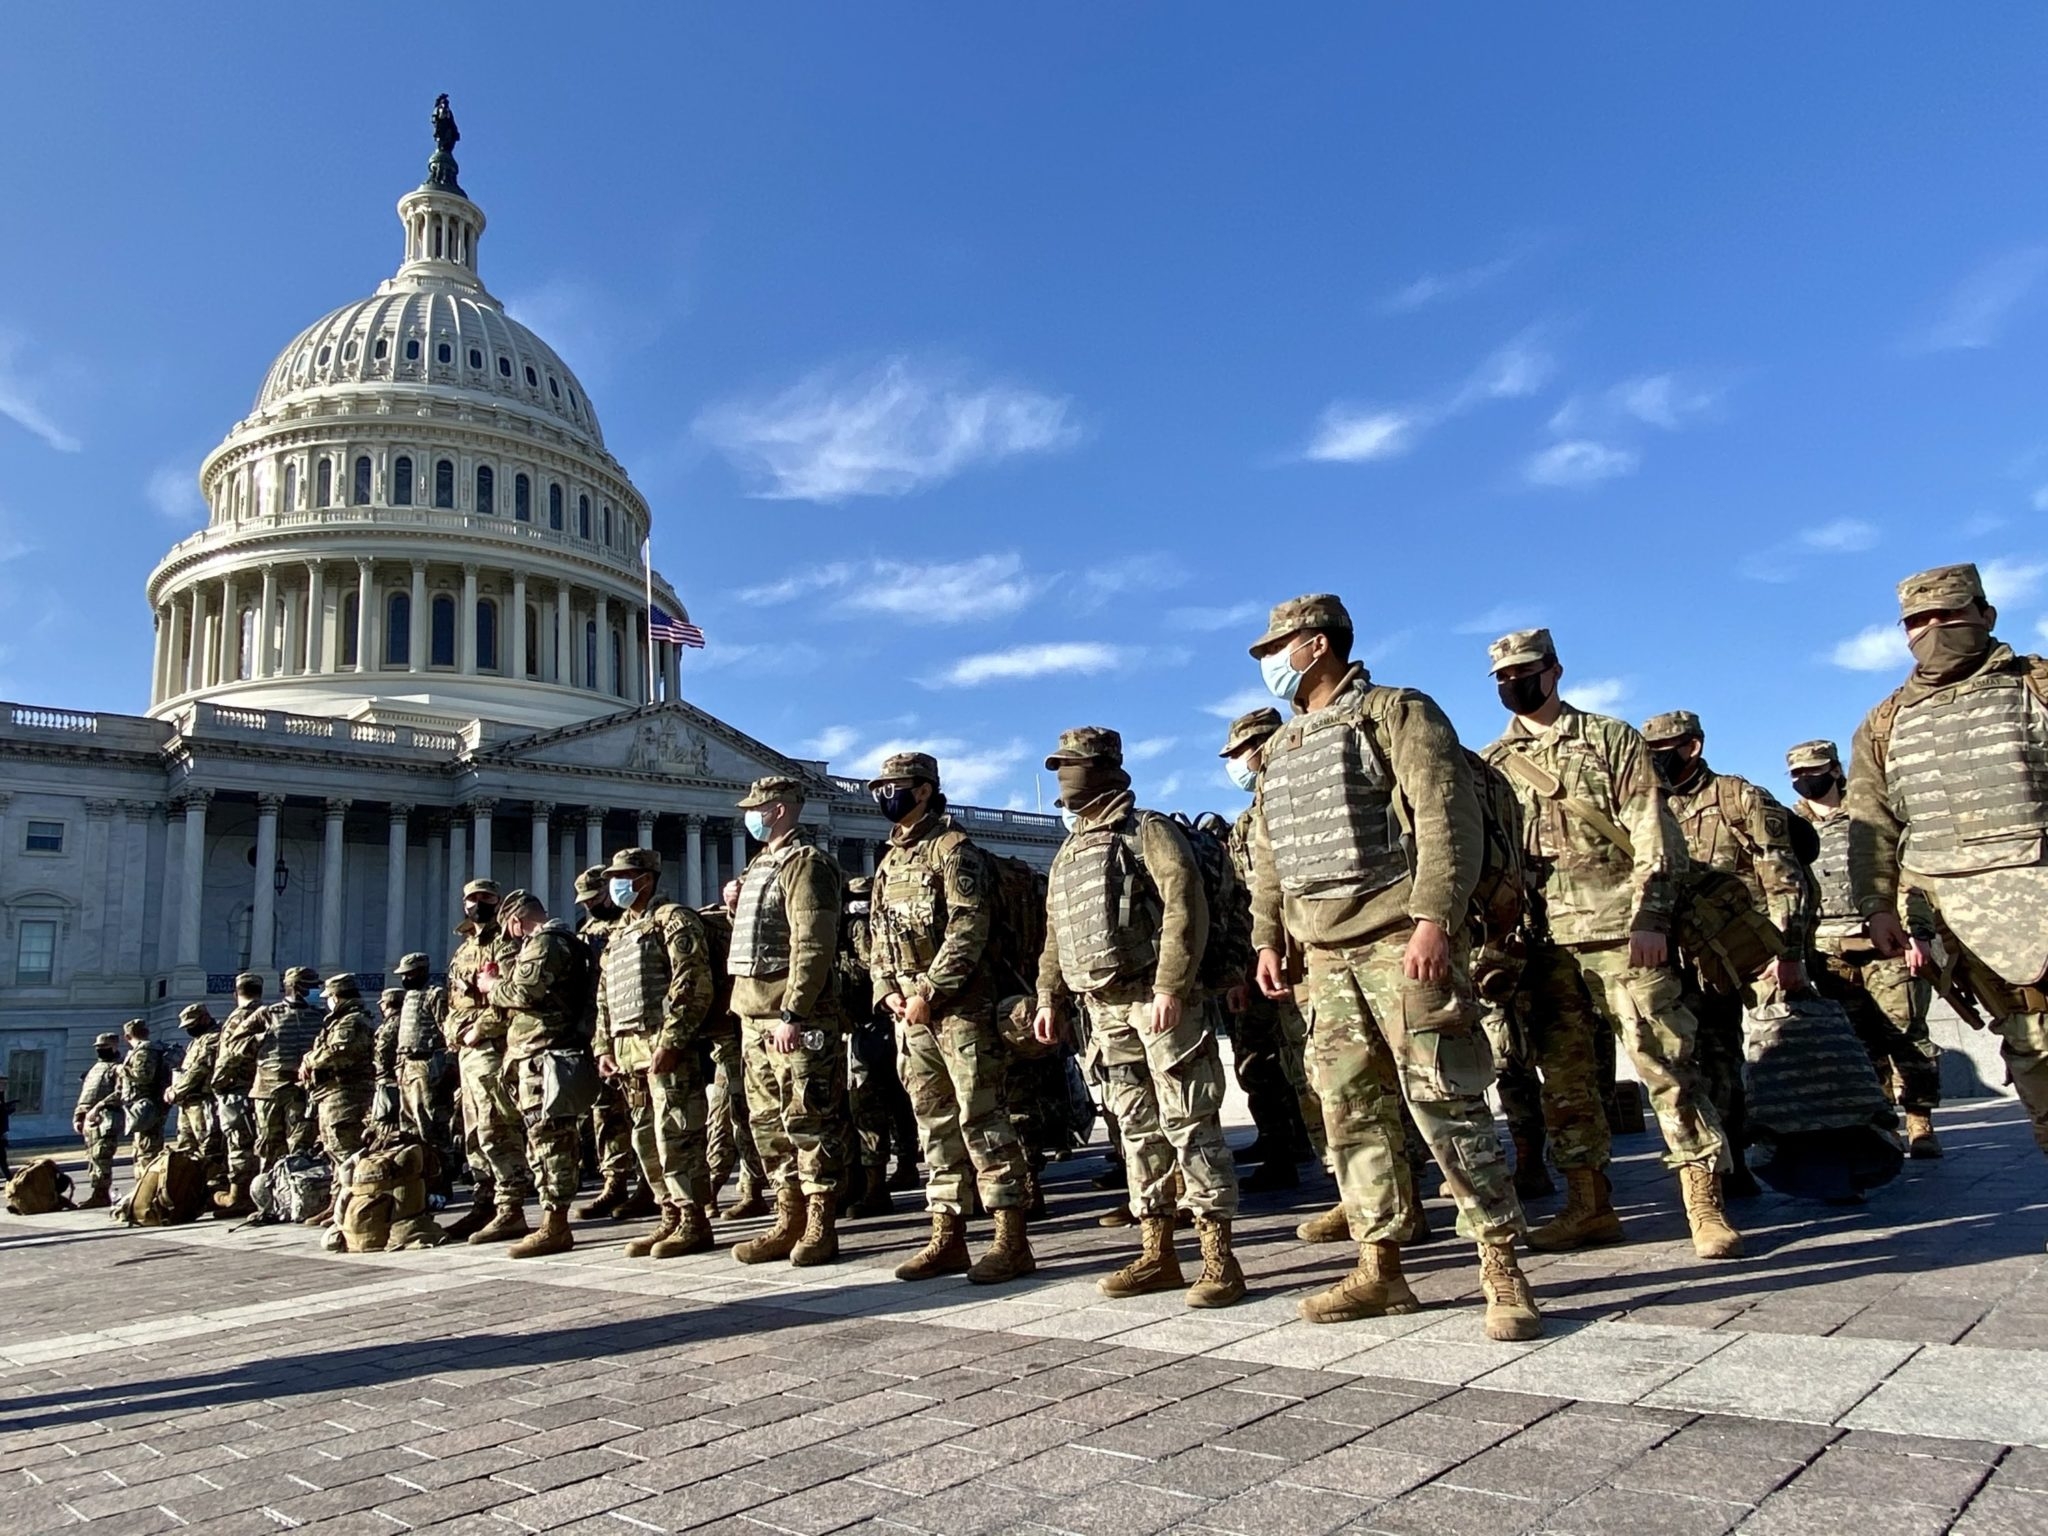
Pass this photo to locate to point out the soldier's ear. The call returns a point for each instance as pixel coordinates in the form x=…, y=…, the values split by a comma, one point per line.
x=1990, y=616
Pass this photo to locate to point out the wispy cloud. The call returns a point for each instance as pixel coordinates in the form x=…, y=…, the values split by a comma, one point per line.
x=833, y=741
x=1440, y=287
x=885, y=431
x=1353, y=434
x=1579, y=462
x=1980, y=307
x=1843, y=536
x=1095, y=586
x=1515, y=372
x=929, y=592
x=173, y=489
x=1596, y=695
x=1151, y=747
x=2008, y=581
x=21, y=399
x=1790, y=559
x=1498, y=620
x=1880, y=648
x=762, y=659
x=1668, y=401
x=969, y=772
x=1211, y=619
x=1021, y=663
x=1242, y=702
x=1168, y=787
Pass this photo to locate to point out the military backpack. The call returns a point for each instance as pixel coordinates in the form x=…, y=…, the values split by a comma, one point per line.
x=1016, y=936
x=1500, y=901
x=39, y=1188
x=169, y=1191
x=1228, y=902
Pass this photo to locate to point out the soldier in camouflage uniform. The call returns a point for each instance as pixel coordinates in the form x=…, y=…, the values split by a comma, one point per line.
x=545, y=999
x=870, y=1049
x=653, y=992
x=729, y=1133
x=384, y=1110
x=1609, y=852
x=1948, y=795
x=339, y=1071
x=232, y=1081
x=493, y=1131
x=1731, y=825
x=785, y=938
x=199, y=1134
x=622, y=1192
x=1126, y=922
x=145, y=1079
x=426, y=1092
x=282, y=1124
x=1885, y=1001
x=98, y=1118
x=1367, y=839
x=928, y=947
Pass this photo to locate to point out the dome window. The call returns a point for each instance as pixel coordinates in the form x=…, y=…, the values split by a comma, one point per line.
x=532, y=378
x=607, y=524
x=382, y=349
x=444, y=483
x=583, y=517
x=323, y=484
x=532, y=658
x=522, y=498
x=554, y=386
x=361, y=496
x=590, y=677
x=555, y=507
x=398, y=630
x=291, y=488
x=326, y=353
x=443, y=353
x=486, y=635
x=442, y=637
x=351, y=630
x=401, y=481
x=412, y=349
x=486, y=490
x=476, y=358
x=348, y=351
x=504, y=366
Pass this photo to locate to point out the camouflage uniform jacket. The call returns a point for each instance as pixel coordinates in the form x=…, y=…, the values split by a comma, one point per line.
x=1732, y=825
x=1595, y=892
x=343, y=1054
x=466, y=1006
x=543, y=996
x=193, y=1081
x=812, y=895
x=144, y=1073
x=241, y=1044
x=1184, y=921
x=100, y=1090
x=690, y=983
x=1439, y=812
x=385, y=1052
x=929, y=916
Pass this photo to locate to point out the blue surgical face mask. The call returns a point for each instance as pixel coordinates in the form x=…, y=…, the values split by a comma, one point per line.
x=1072, y=821
x=621, y=890
x=1240, y=772
x=1283, y=678
x=757, y=825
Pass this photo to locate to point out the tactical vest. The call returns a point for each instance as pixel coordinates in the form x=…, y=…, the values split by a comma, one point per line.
x=1968, y=770
x=293, y=1029
x=418, y=1033
x=910, y=913
x=1104, y=907
x=1329, y=802
x=636, y=975
x=760, y=928
x=1831, y=869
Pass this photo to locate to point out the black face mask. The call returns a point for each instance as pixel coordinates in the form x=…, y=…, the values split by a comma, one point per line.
x=483, y=914
x=1523, y=695
x=1813, y=786
x=107, y=1055
x=1674, y=765
x=897, y=800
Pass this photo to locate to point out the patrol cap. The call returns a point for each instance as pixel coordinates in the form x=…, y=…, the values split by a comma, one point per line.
x=907, y=765
x=859, y=887
x=591, y=883
x=480, y=888
x=1818, y=753
x=248, y=981
x=634, y=861
x=106, y=1042
x=391, y=997
x=302, y=976
x=136, y=1027
x=766, y=791
x=1250, y=730
x=1946, y=586
x=1318, y=610
x=415, y=961
x=1086, y=744
x=342, y=985
x=194, y=1013
x=1672, y=725
x=1518, y=646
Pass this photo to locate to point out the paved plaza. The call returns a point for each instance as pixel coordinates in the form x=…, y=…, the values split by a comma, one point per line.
x=1880, y=1370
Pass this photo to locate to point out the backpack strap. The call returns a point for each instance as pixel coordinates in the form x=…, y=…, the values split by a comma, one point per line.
x=1883, y=718
x=1549, y=787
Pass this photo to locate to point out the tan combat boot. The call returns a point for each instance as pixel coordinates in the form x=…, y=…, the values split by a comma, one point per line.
x=1221, y=1283
x=606, y=1201
x=1333, y=1226
x=101, y=1198
x=234, y=1200
x=1118, y=1215
x=482, y=1207
x=1010, y=1256
x=1712, y=1237
x=946, y=1252
x=552, y=1236
x=1532, y=1177
x=752, y=1202
x=510, y=1222
x=1377, y=1288
x=1588, y=1219
x=642, y=1246
x=1921, y=1142
x=639, y=1205
x=691, y=1234
x=820, y=1242
x=1511, y=1314
x=777, y=1241
x=1156, y=1268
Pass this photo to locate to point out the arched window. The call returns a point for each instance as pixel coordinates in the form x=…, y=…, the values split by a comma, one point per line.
x=383, y=348
x=486, y=490
x=486, y=635
x=590, y=653
x=583, y=517
x=616, y=682
x=607, y=524
x=401, y=481
x=323, y=483
x=443, y=353
x=476, y=357
x=398, y=630
x=444, y=483
x=412, y=349
x=291, y=487
x=555, y=507
x=522, y=498
x=351, y=607
x=442, y=653
x=361, y=496
x=532, y=658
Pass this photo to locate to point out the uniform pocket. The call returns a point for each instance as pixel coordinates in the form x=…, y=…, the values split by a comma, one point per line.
x=1444, y=1052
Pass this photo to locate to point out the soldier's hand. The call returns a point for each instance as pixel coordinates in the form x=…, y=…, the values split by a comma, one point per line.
x=785, y=1037
x=666, y=1059
x=1272, y=975
x=1887, y=934
x=1647, y=950
x=607, y=1064
x=917, y=1011
x=1920, y=959
x=1788, y=974
x=1238, y=998
x=894, y=1003
x=1045, y=1028
x=1428, y=955
x=1166, y=1012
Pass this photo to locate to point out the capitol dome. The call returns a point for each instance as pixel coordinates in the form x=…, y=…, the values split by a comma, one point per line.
x=418, y=521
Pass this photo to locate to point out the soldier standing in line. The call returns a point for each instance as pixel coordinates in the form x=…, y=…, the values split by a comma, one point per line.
x=1885, y=1001
x=339, y=1071
x=384, y=1110
x=870, y=1047
x=99, y=1120
x=494, y=1134
x=234, y=1078
x=199, y=1133
x=282, y=1124
x=929, y=946
x=145, y=1079
x=728, y=1132
x=785, y=938
x=1597, y=824
x=425, y=1102
x=1126, y=922
x=1731, y=825
x=653, y=990
x=1948, y=795
x=622, y=1193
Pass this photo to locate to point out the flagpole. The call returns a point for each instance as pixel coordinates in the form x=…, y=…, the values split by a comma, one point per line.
x=647, y=564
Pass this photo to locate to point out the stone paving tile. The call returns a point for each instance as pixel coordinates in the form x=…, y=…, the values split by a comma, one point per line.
x=2004, y=1512
x=972, y=1509
x=1436, y=1511
x=1370, y=1473
x=1120, y=1509
x=1956, y=1390
x=1066, y=1469
x=694, y=1506
x=1899, y=1479
x=1293, y=1436
x=1628, y=1511
x=1429, y=1433
x=1792, y=1513
x=1208, y=1472
x=1548, y=1477
x=1282, y=1509
x=1784, y=1377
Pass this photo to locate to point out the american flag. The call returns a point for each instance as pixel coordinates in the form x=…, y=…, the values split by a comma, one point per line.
x=662, y=626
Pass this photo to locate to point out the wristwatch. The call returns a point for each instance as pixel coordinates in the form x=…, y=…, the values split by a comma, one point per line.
x=790, y=1018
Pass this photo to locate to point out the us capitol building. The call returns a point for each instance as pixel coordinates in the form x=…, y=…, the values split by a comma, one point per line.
x=409, y=648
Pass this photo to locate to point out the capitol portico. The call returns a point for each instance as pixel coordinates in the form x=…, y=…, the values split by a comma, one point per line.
x=410, y=646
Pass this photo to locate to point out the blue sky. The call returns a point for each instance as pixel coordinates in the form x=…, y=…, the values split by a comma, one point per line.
x=990, y=374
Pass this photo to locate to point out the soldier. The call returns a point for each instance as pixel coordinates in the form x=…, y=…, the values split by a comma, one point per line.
x=1367, y=840
x=870, y=1053
x=622, y=1192
x=199, y=1134
x=384, y=1112
x=100, y=1120
x=728, y=1133
x=234, y=1079
x=1729, y=824
x=1610, y=852
x=785, y=937
x=282, y=1124
x=339, y=1071
x=545, y=997
x=1885, y=1001
x=494, y=1134
x=426, y=1106
x=1948, y=794
x=1126, y=921
x=145, y=1079
x=928, y=945
x=653, y=990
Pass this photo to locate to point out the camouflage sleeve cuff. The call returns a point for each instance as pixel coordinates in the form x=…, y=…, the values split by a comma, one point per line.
x=1650, y=918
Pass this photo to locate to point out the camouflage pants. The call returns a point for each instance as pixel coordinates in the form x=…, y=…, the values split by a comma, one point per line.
x=1041, y=1114
x=199, y=1132
x=2020, y=1020
x=667, y=1112
x=1717, y=1059
x=1166, y=1092
x=1383, y=1042
x=796, y=1101
x=1294, y=1038
x=730, y=1135
x=426, y=1108
x=554, y=1144
x=283, y=1126
x=1257, y=1060
x=1889, y=1010
x=954, y=1070
x=611, y=1128
x=238, y=1134
x=146, y=1125
x=493, y=1131
x=343, y=1113
x=871, y=1075
x=1569, y=995
x=102, y=1141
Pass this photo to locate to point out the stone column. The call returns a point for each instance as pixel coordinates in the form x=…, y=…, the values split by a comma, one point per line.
x=366, y=603
x=458, y=859
x=397, y=835
x=170, y=911
x=131, y=873
x=693, y=860
x=465, y=641
x=333, y=855
x=480, y=825
x=675, y=673
x=262, y=890
x=601, y=680
x=565, y=864
x=646, y=829
x=96, y=915
x=422, y=621
x=261, y=664
x=564, y=669
x=230, y=630
x=159, y=661
x=635, y=659
x=517, y=660
x=195, y=641
x=593, y=835
x=537, y=881
x=316, y=616
x=436, y=913
x=294, y=659
x=867, y=858
x=739, y=846
x=193, y=877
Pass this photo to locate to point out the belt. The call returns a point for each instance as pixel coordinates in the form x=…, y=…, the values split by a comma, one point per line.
x=421, y=1055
